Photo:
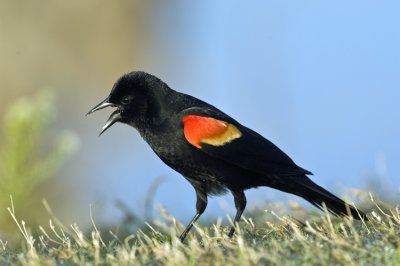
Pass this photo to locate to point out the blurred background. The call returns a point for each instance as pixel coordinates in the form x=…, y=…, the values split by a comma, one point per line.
x=321, y=80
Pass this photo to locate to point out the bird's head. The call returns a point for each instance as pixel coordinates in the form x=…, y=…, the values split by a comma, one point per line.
x=136, y=97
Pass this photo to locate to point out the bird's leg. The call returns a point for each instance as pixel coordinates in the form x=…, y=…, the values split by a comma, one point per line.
x=240, y=204
x=201, y=204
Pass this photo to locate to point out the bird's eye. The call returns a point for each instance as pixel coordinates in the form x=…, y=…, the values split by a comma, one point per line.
x=126, y=100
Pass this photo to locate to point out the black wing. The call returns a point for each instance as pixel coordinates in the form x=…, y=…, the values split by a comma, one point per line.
x=250, y=151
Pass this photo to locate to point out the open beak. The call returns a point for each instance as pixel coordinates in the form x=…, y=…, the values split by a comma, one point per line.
x=114, y=117
x=100, y=106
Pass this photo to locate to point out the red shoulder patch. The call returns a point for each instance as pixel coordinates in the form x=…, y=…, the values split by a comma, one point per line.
x=200, y=129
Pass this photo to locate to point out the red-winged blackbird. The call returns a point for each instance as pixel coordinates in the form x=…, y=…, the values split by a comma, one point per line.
x=214, y=152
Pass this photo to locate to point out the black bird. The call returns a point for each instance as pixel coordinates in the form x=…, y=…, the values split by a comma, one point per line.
x=214, y=152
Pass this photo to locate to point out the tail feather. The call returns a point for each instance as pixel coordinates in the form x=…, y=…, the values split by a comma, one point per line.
x=318, y=196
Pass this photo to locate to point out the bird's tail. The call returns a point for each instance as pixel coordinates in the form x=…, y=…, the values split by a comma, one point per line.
x=318, y=196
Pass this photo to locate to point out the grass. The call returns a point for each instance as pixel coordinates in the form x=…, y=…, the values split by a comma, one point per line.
x=273, y=240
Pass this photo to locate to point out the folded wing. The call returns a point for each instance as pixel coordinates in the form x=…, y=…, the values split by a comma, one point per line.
x=220, y=136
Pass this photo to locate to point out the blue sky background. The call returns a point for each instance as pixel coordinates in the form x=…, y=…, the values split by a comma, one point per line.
x=319, y=79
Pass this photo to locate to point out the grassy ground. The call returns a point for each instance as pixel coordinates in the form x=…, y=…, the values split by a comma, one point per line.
x=272, y=240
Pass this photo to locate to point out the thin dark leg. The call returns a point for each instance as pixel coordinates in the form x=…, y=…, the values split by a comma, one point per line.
x=240, y=204
x=201, y=204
